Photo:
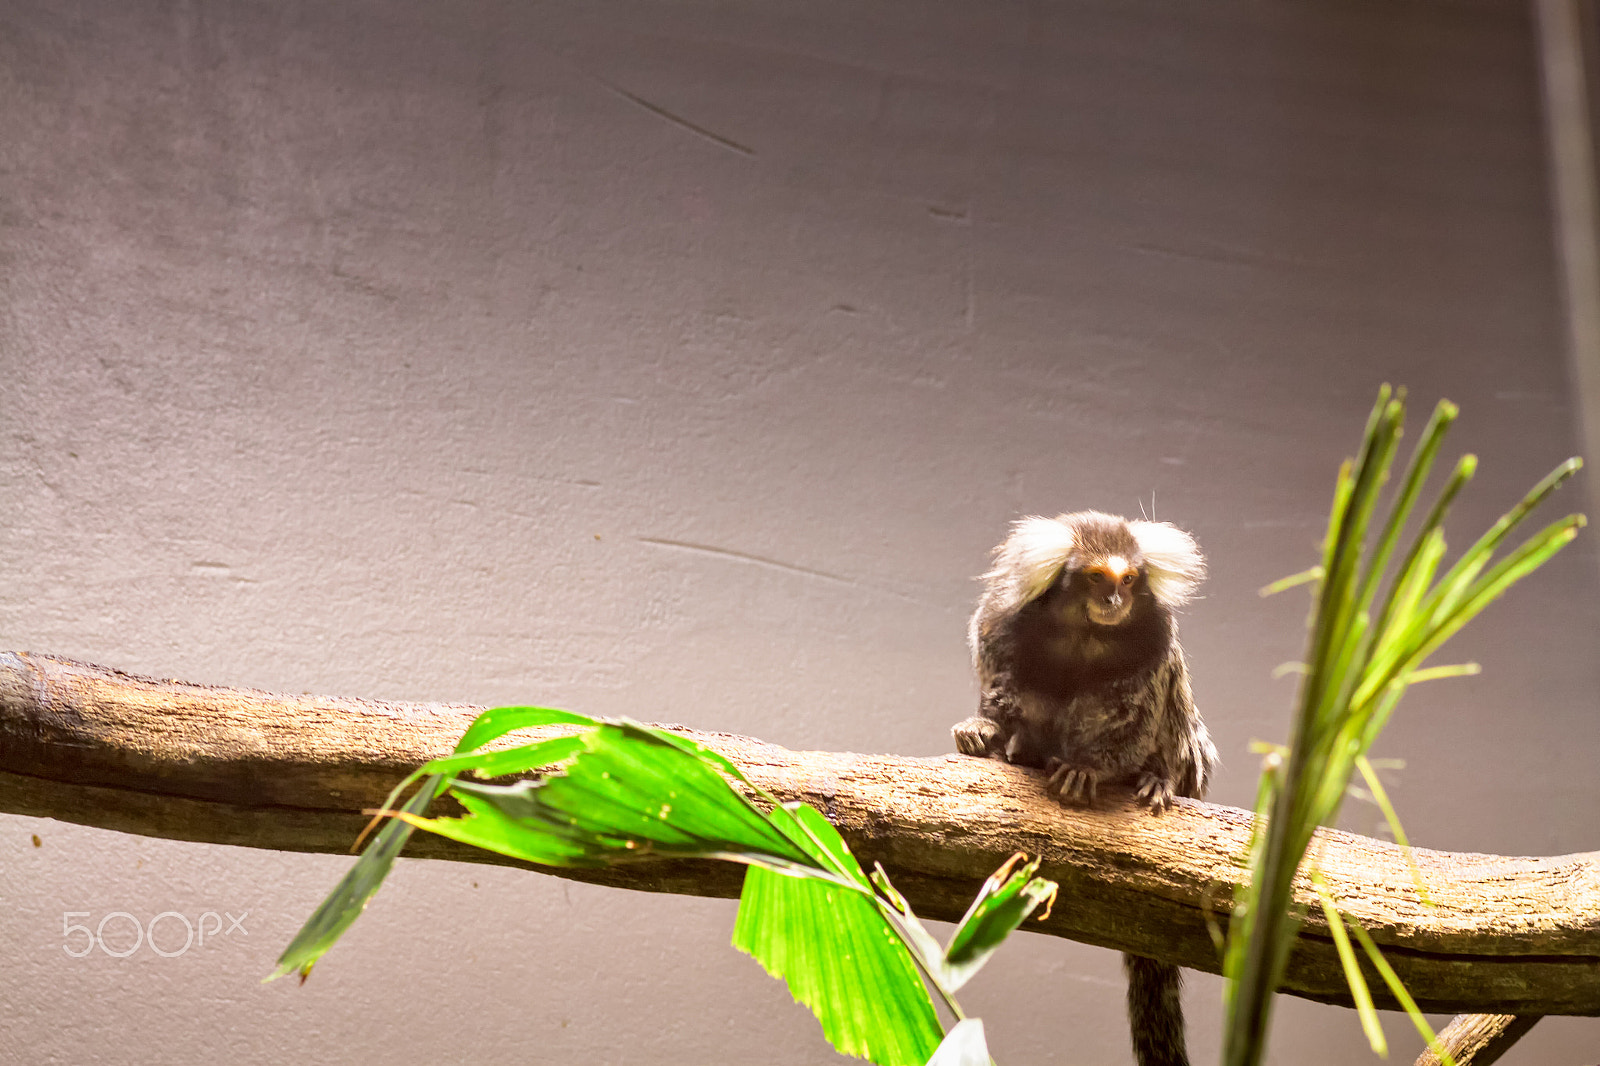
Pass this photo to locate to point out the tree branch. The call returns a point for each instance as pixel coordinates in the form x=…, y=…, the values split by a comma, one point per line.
x=1478, y=1039
x=97, y=747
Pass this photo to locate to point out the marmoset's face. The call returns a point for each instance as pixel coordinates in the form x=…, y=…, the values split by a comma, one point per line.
x=1106, y=589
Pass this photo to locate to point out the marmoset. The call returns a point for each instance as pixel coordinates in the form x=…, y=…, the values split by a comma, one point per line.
x=1080, y=675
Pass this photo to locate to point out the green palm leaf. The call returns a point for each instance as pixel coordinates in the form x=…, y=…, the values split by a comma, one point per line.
x=841, y=959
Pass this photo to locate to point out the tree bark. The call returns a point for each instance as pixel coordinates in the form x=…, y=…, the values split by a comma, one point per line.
x=1478, y=1039
x=169, y=759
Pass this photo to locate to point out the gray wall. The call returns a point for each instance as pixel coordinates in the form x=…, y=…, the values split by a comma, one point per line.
x=684, y=361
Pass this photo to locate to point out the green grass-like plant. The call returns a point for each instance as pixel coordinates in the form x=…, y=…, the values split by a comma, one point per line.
x=1372, y=628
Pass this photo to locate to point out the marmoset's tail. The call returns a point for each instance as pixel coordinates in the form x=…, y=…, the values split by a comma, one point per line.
x=1155, y=1011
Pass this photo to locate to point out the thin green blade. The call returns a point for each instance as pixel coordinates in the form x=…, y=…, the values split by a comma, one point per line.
x=496, y=722
x=1352, y=971
x=1005, y=902
x=1398, y=990
x=829, y=845
x=1381, y=798
x=350, y=896
x=923, y=946
x=504, y=761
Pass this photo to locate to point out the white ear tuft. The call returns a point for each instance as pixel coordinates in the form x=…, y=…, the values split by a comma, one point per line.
x=1029, y=560
x=1173, y=563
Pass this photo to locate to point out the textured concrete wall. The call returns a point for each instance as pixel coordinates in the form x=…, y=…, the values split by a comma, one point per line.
x=684, y=361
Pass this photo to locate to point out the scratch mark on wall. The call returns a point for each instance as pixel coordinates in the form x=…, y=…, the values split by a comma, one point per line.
x=746, y=557
x=1302, y=522
x=779, y=565
x=680, y=121
x=971, y=294
x=570, y=481
x=962, y=216
x=1224, y=254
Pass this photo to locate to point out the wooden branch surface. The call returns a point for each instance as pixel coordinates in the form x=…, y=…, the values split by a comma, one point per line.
x=1478, y=1039
x=169, y=759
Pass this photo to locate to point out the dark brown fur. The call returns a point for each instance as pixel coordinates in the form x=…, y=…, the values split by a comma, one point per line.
x=1082, y=676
